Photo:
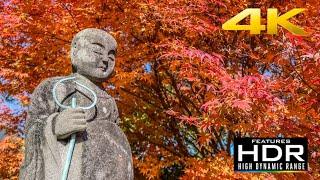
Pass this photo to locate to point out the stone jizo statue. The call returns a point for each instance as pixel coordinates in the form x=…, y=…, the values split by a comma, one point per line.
x=101, y=150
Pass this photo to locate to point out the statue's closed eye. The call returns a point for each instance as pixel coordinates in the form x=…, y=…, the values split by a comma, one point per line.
x=102, y=46
x=100, y=53
x=98, y=49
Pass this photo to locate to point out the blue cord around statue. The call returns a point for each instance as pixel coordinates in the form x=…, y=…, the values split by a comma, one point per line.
x=73, y=136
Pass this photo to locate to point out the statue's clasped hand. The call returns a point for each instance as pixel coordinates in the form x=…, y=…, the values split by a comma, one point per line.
x=70, y=121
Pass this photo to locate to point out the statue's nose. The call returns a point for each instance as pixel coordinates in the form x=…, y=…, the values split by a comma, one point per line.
x=105, y=62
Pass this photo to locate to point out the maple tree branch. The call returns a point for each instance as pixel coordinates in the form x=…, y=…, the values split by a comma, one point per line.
x=197, y=148
x=201, y=152
x=202, y=95
x=157, y=95
x=60, y=39
x=119, y=6
x=194, y=146
x=230, y=137
x=180, y=139
x=302, y=79
x=197, y=97
x=139, y=97
x=218, y=138
x=186, y=99
x=47, y=34
x=161, y=89
x=136, y=37
x=64, y=6
x=174, y=83
x=171, y=150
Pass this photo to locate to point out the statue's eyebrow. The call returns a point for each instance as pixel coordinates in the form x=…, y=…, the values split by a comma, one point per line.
x=112, y=52
x=99, y=45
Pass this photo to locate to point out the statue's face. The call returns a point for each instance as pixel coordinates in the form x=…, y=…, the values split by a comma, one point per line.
x=95, y=57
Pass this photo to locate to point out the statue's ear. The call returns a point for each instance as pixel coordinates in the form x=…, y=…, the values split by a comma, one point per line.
x=115, y=51
x=112, y=51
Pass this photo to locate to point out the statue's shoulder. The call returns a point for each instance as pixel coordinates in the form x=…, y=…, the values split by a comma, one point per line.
x=46, y=85
x=50, y=80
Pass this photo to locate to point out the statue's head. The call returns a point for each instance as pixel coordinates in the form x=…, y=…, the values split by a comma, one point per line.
x=93, y=54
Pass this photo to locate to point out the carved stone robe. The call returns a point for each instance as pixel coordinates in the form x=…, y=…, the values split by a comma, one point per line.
x=101, y=152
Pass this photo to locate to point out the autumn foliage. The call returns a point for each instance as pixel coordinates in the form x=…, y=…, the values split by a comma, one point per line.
x=185, y=87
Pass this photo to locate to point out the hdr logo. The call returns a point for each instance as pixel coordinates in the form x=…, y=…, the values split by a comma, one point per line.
x=273, y=20
x=270, y=154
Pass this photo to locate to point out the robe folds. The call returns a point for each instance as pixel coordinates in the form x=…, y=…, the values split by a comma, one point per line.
x=101, y=152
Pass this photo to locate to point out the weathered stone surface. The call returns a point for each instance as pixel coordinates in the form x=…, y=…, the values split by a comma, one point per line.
x=102, y=150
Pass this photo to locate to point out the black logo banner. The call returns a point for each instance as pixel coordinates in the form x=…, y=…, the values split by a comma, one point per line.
x=270, y=154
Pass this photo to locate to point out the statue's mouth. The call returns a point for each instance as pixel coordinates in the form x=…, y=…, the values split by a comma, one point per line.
x=104, y=68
